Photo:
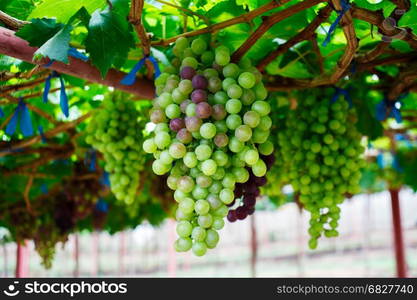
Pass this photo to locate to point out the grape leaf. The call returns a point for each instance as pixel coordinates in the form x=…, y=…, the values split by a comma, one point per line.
x=19, y=9
x=63, y=10
x=109, y=36
x=56, y=48
x=410, y=18
x=39, y=31
x=367, y=124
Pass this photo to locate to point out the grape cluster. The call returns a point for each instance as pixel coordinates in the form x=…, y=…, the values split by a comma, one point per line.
x=116, y=131
x=321, y=147
x=248, y=192
x=211, y=122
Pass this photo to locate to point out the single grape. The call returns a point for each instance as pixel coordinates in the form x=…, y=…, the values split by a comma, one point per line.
x=199, y=82
x=187, y=72
x=203, y=152
x=247, y=80
x=184, y=136
x=193, y=123
x=221, y=140
x=243, y=133
x=199, y=96
x=209, y=167
x=203, y=110
x=219, y=112
x=176, y=124
x=233, y=106
x=208, y=130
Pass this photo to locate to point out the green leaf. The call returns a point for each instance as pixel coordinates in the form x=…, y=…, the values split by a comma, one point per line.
x=57, y=47
x=19, y=9
x=409, y=19
x=39, y=31
x=367, y=124
x=63, y=10
x=109, y=36
x=224, y=11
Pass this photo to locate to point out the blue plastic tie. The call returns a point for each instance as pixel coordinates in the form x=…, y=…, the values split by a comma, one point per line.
x=384, y=105
x=90, y=160
x=396, y=164
x=22, y=115
x=130, y=78
x=41, y=133
x=1, y=113
x=63, y=95
x=341, y=92
x=102, y=205
x=380, y=160
x=105, y=179
x=44, y=188
x=345, y=7
x=71, y=52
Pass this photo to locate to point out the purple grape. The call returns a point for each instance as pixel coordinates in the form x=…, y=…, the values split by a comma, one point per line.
x=249, y=200
x=199, y=82
x=157, y=116
x=187, y=73
x=198, y=96
x=203, y=110
x=184, y=104
x=176, y=124
x=193, y=123
x=260, y=181
x=251, y=189
x=231, y=216
x=221, y=140
x=255, y=193
x=238, y=190
x=241, y=213
x=184, y=136
x=251, y=210
x=268, y=160
x=219, y=113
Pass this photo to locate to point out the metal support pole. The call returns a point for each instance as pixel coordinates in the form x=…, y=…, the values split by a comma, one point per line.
x=398, y=234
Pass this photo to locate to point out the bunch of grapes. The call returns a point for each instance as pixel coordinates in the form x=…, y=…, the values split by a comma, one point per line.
x=211, y=122
x=45, y=240
x=321, y=147
x=116, y=131
x=248, y=192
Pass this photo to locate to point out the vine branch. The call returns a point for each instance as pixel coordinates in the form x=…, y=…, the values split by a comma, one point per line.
x=244, y=18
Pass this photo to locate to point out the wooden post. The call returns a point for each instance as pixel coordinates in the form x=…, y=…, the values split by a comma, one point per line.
x=22, y=260
x=253, y=246
x=398, y=235
x=76, y=271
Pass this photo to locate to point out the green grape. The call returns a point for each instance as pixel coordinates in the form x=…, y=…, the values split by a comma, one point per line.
x=247, y=80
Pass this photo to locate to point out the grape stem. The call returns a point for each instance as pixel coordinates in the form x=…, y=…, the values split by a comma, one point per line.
x=135, y=18
x=306, y=33
x=10, y=22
